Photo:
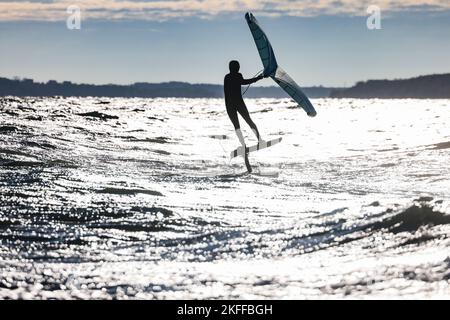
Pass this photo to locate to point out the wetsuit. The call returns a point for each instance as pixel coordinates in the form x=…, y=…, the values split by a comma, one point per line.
x=234, y=101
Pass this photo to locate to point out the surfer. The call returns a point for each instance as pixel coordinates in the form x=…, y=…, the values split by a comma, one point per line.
x=235, y=103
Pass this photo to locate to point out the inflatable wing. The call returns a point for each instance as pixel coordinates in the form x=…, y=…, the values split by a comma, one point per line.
x=262, y=43
x=272, y=69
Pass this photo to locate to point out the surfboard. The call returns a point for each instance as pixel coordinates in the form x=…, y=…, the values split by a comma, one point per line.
x=265, y=144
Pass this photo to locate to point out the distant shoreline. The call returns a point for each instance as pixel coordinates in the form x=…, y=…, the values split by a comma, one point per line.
x=27, y=87
x=423, y=87
x=435, y=86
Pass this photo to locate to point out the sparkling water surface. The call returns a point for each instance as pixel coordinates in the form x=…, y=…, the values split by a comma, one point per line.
x=132, y=198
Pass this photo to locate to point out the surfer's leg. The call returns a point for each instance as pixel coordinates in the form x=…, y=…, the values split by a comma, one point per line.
x=232, y=114
x=246, y=116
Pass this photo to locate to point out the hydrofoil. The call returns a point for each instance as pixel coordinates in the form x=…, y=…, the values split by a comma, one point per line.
x=261, y=145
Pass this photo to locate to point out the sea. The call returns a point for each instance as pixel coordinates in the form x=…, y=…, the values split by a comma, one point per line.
x=132, y=198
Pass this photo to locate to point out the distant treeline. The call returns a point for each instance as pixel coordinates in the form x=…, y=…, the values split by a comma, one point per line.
x=424, y=87
x=27, y=87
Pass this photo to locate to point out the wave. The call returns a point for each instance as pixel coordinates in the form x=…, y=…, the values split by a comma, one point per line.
x=11, y=113
x=441, y=145
x=411, y=219
x=161, y=140
x=165, y=212
x=10, y=100
x=129, y=192
x=34, y=118
x=17, y=163
x=334, y=229
x=99, y=115
x=132, y=226
x=161, y=152
x=51, y=163
x=8, y=129
x=39, y=145
x=14, y=152
x=158, y=119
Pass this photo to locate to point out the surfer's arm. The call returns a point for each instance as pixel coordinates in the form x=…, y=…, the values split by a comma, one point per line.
x=250, y=81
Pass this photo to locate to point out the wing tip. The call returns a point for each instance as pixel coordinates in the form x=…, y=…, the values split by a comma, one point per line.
x=249, y=17
x=312, y=114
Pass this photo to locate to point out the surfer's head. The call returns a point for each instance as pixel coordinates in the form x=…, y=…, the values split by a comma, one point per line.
x=234, y=66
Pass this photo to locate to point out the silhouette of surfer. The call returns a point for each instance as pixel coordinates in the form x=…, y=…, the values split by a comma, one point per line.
x=235, y=103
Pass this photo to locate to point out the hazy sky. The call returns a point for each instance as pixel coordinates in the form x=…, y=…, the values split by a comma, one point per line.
x=318, y=42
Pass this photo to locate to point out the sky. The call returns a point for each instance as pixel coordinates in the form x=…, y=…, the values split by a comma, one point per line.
x=318, y=42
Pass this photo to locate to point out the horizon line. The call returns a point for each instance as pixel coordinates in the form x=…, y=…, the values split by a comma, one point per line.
x=18, y=78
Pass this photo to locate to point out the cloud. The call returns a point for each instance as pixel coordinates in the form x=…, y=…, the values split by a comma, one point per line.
x=160, y=10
